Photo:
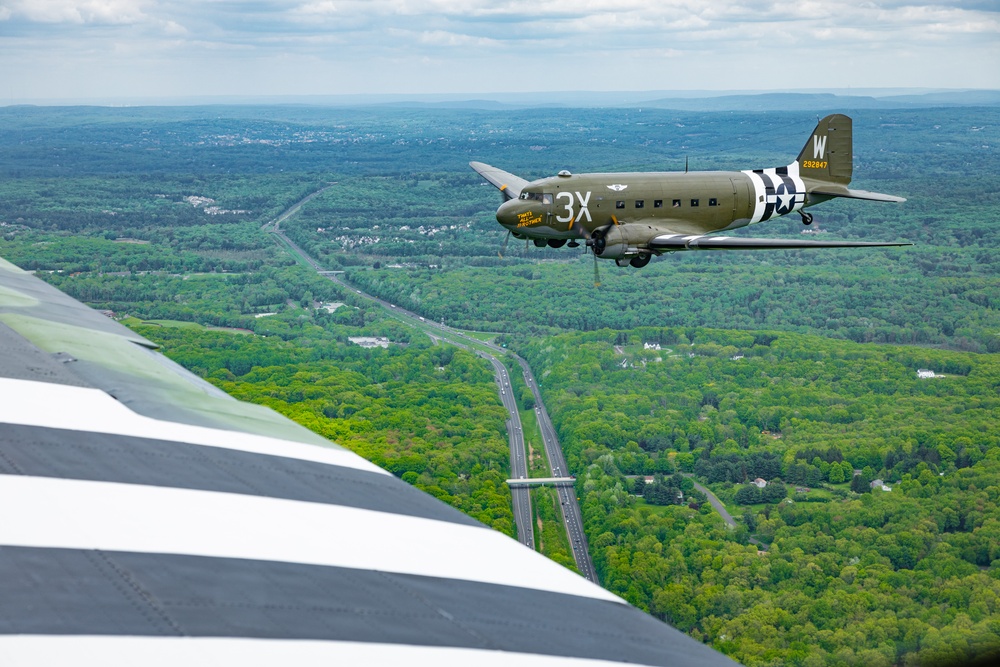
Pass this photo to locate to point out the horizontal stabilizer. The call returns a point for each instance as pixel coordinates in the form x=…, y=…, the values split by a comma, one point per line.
x=847, y=193
x=509, y=184
x=684, y=242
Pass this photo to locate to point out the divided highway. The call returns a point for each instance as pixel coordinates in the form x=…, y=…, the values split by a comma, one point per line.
x=520, y=497
x=567, y=494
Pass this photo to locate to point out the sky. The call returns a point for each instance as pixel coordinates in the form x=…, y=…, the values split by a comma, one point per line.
x=148, y=49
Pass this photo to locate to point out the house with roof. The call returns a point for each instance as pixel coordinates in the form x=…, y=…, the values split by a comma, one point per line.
x=759, y=483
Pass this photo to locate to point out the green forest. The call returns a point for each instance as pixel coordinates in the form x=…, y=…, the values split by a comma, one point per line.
x=795, y=367
x=848, y=576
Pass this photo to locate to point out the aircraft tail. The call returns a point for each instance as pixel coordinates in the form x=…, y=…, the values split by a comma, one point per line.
x=826, y=163
x=829, y=155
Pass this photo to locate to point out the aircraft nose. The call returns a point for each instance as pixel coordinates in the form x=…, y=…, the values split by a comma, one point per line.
x=507, y=213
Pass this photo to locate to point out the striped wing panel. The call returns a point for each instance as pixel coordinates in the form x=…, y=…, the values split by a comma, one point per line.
x=149, y=519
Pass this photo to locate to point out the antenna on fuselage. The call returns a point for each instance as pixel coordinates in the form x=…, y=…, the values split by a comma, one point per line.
x=685, y=164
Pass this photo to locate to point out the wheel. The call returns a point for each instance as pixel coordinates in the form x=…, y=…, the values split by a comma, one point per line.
x=540, y=243
x=641, y=260
x=807, y=218
x=557, y=243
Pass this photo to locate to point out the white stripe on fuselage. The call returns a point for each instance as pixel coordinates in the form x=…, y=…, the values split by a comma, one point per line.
x=759, y=193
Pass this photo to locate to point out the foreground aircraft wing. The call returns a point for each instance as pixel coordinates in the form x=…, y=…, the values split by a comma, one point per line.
x=509, y=184
x=674, y=242
x=151, y=519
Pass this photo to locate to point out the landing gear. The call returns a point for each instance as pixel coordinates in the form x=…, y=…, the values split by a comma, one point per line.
x=557, y=243
x=540, y=243
x=572, y=244
x=807, y=218
x=640, y=260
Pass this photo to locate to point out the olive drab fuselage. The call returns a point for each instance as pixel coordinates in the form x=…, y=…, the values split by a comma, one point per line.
x=684, y=203
x=630, y=217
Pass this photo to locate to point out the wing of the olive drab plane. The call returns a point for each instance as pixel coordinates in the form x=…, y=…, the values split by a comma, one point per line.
x=508, y=184
x=677, y=242
x=149, y=518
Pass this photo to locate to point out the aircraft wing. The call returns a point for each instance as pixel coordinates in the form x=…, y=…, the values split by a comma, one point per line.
x=509, y=184
x=150, y=518
x=833, y=190
x=678, y=242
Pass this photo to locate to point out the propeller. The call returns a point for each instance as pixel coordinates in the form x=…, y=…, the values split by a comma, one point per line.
x=582, y=231
x=504, y=248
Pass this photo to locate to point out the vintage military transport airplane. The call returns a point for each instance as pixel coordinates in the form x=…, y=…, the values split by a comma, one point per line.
x=629, y=217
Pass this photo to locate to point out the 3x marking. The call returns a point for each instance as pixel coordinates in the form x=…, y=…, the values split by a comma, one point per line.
x=584, y=201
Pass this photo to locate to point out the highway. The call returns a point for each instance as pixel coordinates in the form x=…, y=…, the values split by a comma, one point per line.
x=572, y=517
x=520, y=497
x=570, y=506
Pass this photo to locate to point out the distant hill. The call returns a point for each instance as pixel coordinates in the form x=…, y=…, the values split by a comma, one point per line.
x=706, y=101
x=681, y=100
x=824, y=101
x=809, y=101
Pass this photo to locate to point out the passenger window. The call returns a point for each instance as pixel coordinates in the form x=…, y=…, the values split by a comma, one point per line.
x=546, y=199
x=677, y=203
x=657, y=203
x=694, y=202
x=620, y=204
x=639, y=203
x=713, y=202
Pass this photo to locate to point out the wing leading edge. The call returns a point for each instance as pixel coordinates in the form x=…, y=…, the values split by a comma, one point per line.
x=507, y=183
x=679, y=242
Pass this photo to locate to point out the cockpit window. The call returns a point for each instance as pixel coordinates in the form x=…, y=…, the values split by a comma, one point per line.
x=536, y=196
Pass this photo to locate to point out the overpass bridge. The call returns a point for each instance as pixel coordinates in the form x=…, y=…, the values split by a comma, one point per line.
x=542, y=481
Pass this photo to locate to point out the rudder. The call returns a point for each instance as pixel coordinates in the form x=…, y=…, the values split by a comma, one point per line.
x=829, y=155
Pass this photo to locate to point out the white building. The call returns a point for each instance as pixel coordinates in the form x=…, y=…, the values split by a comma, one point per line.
x=365, y=341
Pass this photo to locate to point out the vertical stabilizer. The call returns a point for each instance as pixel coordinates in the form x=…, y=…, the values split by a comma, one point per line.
x=828, y=154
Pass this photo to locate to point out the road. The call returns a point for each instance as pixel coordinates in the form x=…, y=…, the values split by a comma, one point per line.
x=520, y=497
x=721, y=509
x=273, y=225
x=713, y=501
x=572, y=517
x=570, y=506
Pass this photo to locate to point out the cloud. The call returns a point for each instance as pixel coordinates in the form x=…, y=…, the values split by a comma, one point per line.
x=619, y=43
x=82, y=12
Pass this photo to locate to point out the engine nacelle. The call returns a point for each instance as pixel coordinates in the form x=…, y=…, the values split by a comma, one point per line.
x=621, y=241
